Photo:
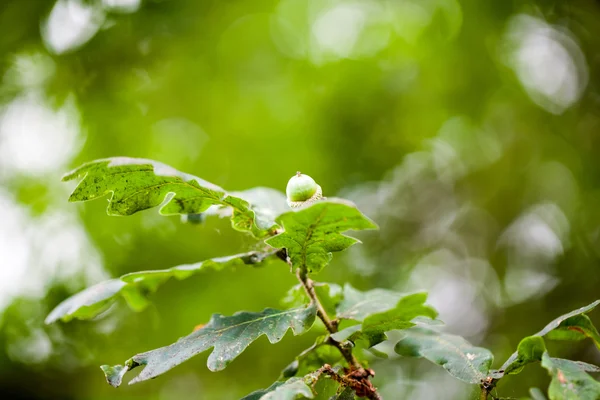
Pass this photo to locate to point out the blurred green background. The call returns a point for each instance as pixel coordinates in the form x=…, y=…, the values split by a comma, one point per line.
x=468, y=130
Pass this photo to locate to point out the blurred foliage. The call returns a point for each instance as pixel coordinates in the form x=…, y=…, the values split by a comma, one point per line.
x=468, y=130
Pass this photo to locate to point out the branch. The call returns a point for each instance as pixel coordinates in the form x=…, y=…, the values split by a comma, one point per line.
x=358, y=377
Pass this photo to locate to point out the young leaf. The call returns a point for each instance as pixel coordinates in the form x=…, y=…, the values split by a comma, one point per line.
x=313, y=358
x=291, y=389
x=312, y=233
x=359, y=305
x=228, y=336
x=135, y=286
x=329, y=294
x=558, y=321
x=374, y=326
x=530, y=350
x=346, y=394
x=294, y=388
x=577, y=327
x=137, y=184
x=563, y=323
x=461, y=359
x=570, y=380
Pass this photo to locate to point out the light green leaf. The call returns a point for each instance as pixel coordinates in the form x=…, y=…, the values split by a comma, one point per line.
x=312, y=233
x=375, y=325
x=408, y=308
x=346, y=394
x=556, y=323
x=564, y=323
x=294, y=388
x=530, y=350
x=536, y=394
x=359, y=305
x=577, y=327
x=570, y=380
x=267, y=204
x=329, y=294
x=291, y=389
x=228, y=336
x=461, y=359
x=137, y=184
x=313, y=358
x=88, y=303
x=135, y=286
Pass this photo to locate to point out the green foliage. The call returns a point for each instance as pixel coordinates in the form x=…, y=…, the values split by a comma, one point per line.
x=536, y=394
x=530, y=350
x=559, y=322
x=570, y=380
x=306, y=237
x=358, y=305
x=311, y=359
x=461, y=359
x=330, y=295
x=564, y=326
x=577, y=327
x=135, y=286
x=347, y=394
x=375, y=326
x=138, y=184
x=228, y=336
x=301, y=388
x=294, y=388
x=312, y=233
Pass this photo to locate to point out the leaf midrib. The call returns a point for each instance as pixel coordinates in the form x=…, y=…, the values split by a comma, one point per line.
x=309, y=232
x=292, y=311
x=458, y=351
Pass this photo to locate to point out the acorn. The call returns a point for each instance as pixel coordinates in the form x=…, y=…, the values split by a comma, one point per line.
x=302, y=190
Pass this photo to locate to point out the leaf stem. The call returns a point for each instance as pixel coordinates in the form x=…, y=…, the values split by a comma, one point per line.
x=358, y=373
x=484, y=393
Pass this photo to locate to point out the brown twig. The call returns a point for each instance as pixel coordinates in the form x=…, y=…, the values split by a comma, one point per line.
x=357, y=377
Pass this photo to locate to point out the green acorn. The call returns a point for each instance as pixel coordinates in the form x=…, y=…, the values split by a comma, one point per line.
x=302, y=190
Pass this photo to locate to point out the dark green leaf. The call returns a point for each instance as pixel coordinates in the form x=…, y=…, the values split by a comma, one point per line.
x=374, y=326
x=563, y=323
x=135, y=286
x=570, y=380
x=312, y=233
x=228, y=336
x=461, y=359
x=359, y=305
x=137, y=184
x=530, y=350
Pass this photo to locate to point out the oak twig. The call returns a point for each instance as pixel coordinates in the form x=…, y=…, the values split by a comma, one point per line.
x=357, y=377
